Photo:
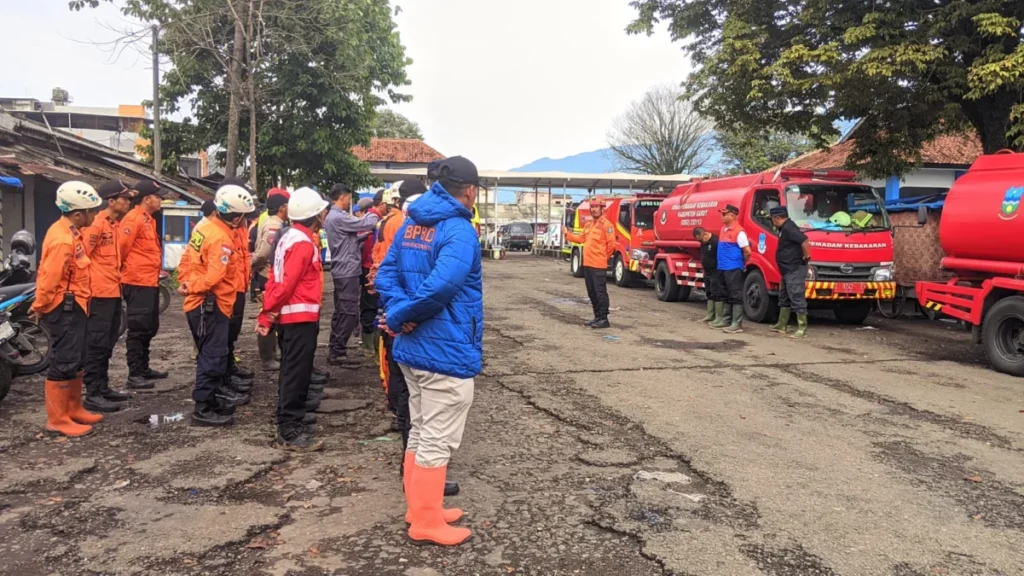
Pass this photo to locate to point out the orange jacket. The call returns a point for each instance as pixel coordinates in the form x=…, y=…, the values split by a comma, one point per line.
x=598, y=239
x=63, y=267
x=141, y=254
x=389, y=227
x=105, y=252
x=243, y=259
x=211, y=266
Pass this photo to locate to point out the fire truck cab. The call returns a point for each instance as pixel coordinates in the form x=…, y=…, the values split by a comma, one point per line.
x=633, y=218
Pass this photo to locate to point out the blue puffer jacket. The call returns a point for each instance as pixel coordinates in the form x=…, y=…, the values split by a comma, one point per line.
x=432, y=277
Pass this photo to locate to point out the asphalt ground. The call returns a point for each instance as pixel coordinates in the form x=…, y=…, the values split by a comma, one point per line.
x=659, y=446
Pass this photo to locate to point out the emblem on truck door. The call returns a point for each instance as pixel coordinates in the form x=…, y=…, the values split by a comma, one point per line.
x=1011, y=203
x=762, y=243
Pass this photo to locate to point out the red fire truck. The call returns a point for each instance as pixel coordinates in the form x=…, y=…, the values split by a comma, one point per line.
x=846, y=223
x=633, y=217
x=982, y=234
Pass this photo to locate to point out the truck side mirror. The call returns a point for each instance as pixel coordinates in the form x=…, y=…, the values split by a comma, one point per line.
x=922, y=215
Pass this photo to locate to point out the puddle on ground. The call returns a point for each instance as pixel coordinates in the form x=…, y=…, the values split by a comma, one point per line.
x=723, y=346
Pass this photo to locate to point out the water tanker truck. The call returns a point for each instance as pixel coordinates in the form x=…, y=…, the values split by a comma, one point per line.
x=846, y=223
x=982, y=234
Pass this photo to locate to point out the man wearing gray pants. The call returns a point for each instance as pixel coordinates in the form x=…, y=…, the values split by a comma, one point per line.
x=792, y=257
x=343, y=231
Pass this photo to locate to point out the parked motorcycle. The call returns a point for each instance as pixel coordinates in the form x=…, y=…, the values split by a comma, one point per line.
x=6, y=354
x=27, y=349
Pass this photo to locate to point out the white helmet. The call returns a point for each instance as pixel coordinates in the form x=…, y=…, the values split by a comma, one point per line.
x=305, y=203
x=233, y=199
x=408, y=201
x=391, y=195
x=75, y=195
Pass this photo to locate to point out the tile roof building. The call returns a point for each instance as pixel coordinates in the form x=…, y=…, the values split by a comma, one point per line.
x=393, y=153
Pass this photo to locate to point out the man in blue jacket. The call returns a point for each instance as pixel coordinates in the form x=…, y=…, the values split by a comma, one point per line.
x=431, y=286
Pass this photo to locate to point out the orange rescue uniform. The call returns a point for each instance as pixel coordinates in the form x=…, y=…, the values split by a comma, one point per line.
x=598, y=239
x=63, y=267
x=212, y=266
x=243, y=259
x=101, y=242
x=389, y=227
x=140, y=249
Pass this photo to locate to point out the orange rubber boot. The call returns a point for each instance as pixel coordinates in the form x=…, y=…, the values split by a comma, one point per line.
x=57, y=419
x=426, y=498
x=450, y=514
x=75, y=409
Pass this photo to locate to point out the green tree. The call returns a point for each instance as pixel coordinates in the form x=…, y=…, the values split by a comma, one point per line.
x=747, y=151
x=910, y=69
x=312, y=75
x=391, y=124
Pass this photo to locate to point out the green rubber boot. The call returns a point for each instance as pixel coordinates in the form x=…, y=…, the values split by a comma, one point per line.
x=783, y=322
x=801, y=326
x=723, y=320
x=737, y=320
x=710, y=317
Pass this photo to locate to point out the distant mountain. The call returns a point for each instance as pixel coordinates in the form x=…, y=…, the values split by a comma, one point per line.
x=586, y=162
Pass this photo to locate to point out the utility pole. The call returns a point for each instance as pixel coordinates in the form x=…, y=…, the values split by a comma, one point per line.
x=157, y=160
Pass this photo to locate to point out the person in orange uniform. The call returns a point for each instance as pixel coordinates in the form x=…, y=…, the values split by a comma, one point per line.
x=63, y=290
x=210, y=289
x=105, y=308
x=598, y=239
x=239, y=379
x=141, y=259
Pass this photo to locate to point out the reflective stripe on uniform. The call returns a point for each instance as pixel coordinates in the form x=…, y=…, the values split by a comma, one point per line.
x=300, y=308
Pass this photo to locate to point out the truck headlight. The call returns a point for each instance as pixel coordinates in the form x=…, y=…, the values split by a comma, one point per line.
x=811, y=273
x=882, y=274
x=638, y=255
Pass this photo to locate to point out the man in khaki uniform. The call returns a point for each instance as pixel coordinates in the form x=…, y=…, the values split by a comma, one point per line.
x=277, y=214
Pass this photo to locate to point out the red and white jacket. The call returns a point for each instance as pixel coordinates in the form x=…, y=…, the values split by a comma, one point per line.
x=295, y=286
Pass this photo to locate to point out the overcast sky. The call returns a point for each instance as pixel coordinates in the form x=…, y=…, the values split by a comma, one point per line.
x=503, y=83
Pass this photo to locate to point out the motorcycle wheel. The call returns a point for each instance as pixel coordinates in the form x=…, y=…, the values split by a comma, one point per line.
x=37, y=358
x=165, y=298
x=6, y=375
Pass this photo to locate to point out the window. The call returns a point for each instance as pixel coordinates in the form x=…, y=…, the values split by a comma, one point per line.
x=764, y=201
x=645, y=210
x=174, y=228
x=570, y=217
x=836, y=208
x=626, y=215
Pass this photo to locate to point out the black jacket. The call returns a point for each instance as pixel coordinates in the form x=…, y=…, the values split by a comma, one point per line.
x=709, y=254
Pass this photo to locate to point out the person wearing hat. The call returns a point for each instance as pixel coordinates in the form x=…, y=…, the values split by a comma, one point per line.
x=431, y=288
x=141, y=260
x=267, y=230
x=292, y=301
x=367, y=297
x=792, y=256
x=598, y=239
x=343, y=229
x=210, y=288
x=733, y=252
x=101, y=241
x=63, y=290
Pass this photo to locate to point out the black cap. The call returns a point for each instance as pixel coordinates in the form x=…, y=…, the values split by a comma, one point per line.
x=147, y=187
x=455, y=169
x=730, y=208
x=274, y=202
x=235, y=181
x=778, y=211
x=114, y=189
x=208, y=208
x=411, y=187
x=338, y=189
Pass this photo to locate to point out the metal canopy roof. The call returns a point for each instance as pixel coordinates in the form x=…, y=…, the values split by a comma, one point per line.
x=602, y=181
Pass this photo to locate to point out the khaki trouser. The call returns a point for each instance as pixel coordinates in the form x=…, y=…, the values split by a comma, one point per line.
x=438, y=406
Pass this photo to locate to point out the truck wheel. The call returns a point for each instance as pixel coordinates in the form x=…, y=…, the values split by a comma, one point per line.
x=623, y=277
x=1003, y=335
x=665, y=286
x=758, y=304
x=852, y=313
x=576, y=263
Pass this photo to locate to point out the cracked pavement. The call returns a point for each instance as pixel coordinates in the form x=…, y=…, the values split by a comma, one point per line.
x=657, y=447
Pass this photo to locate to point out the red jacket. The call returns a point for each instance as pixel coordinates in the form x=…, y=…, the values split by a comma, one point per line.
x=368, y=244
x=295, y=286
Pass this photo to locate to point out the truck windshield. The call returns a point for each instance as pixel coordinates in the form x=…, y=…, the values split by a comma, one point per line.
x=837, y=208
x=643, y=218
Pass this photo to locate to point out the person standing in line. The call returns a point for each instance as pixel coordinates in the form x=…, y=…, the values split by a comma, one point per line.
x=293, y=300
x=793, y=257
x=63, y=290
x=733, y=253
x=238, y=379
x=141, y=260
x=367, y=297
x=210, y=289
x=277, y=215
x=431, y=287
x=714, y=284
x=598, y=239
x=105, y=307
x=342, y=237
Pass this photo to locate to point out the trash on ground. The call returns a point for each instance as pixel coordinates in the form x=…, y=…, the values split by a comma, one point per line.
x=159, y=419
x=612, y=338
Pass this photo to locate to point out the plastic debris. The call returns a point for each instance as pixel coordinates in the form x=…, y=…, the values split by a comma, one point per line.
x=612, y=338
x=666, y=477
x=158, y=419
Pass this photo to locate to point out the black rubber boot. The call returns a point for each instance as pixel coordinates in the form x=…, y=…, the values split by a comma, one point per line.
x=97, y=403
x=139, y=383
x=151, y=374
x=113, y=395
x=601, y=324
x=205, y=415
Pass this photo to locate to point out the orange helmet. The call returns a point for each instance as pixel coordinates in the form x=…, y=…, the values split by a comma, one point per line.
x=597, y=202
